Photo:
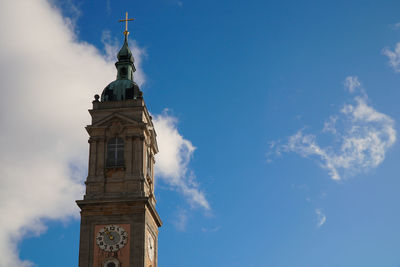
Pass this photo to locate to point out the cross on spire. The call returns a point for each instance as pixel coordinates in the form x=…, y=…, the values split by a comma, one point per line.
x=126, y=23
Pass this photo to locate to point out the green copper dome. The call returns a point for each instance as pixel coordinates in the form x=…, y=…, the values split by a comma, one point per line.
x=123, y=88
x=119, y=90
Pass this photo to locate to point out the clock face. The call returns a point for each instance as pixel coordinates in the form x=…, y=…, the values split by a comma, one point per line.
x=150, y=246
x=112, y=238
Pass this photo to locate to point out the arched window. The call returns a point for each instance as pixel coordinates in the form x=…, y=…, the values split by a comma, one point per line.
x=111, y=263
x=115, y=152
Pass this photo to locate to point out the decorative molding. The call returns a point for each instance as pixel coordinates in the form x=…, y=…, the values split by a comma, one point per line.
x=116, y=128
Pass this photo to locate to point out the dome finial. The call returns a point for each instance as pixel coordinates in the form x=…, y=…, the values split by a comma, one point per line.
x=126, y=24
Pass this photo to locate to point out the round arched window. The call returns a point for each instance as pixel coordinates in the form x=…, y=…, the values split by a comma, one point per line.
x=111, y=263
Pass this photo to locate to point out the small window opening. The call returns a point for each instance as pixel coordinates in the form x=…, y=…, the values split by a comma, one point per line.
x=124, y=72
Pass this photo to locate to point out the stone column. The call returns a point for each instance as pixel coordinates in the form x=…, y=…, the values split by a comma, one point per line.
x=92, y=157
x=128, y=155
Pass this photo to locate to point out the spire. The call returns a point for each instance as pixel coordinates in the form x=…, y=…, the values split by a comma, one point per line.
x=123, y=88
x=125, y=53
x=125, y=62
x=124, y=65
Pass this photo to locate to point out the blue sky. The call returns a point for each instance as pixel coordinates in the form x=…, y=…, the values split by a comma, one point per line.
x=284, y=116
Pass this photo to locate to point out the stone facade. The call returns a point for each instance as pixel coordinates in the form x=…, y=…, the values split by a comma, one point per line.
x=120, y=194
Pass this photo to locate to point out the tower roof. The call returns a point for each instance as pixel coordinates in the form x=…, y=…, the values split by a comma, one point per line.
x=125, y=53
x=124, y=87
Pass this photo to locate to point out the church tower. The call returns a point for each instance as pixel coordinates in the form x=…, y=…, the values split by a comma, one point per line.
x=119, y=222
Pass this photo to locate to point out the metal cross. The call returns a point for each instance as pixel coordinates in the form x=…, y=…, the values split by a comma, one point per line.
x=126, y=23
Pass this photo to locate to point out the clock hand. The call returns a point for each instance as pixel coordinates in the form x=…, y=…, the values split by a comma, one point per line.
x=110, y=236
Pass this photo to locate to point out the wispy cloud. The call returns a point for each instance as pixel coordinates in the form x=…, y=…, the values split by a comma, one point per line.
x=360, y=134
x=72, y=12
x=352, y=83
x=180, y=219
x=393, y=56
x=111, y=45
x=139, y=53
x=108, y=7
x=321, y=217
x=210, y=230
x=173, y=160
x=395, y=26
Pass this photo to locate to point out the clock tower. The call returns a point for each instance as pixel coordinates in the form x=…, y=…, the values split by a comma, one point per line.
x=119, y=222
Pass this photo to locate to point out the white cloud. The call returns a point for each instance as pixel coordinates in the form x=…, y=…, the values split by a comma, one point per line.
x=394, y=57
x=352, y=83
x=321, y=217
x=111, y=45
x=48, y=81
x=306, y=145
x=71, y=12
x=361, y=138
x=330, y=125
x=173, y=159
x=139, y=53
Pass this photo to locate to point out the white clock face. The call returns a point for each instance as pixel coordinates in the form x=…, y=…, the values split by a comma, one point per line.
x=112, y=238
x=150, y=246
